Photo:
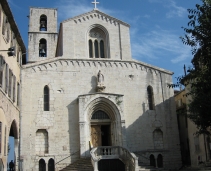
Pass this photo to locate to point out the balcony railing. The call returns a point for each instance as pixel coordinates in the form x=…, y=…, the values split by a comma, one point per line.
x=114, y=152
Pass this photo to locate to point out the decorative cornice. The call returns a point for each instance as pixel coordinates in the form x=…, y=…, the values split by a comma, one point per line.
x=84, y=16
x=54, y=62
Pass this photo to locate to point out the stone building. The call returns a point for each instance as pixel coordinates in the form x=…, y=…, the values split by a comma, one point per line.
x=10, y=65
x=195, y=149
x=84, y=96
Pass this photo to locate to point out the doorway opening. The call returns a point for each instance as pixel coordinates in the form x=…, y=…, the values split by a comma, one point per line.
x=100, y=129
x=100, y=135
x=12, y=146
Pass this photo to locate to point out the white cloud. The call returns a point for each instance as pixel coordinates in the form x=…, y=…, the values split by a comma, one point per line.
x=71, y=8
x=146, y=16
x=174, y=9
x=159, y=44
x=13, y=4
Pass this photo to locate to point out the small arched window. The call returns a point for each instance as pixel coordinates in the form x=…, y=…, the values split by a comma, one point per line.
x=46, y=98
x=90, y=49
x=42, y=48
x=51, y=164
x=102, y=53
x=42, y=165
x=96, y=49
x=150, y=98
x=43, y=23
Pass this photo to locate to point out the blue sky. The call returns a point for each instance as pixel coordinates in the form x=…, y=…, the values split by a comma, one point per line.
x=155, y=25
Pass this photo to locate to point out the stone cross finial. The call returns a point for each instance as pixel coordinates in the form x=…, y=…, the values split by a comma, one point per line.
x=95, y=2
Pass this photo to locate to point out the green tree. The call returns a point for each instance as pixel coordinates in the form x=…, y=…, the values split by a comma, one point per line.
x=198, y=78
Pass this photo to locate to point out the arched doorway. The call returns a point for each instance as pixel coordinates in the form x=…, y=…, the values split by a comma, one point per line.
x=100, y=129
x=42, y=165
x=160, y=161
x=152, y=160
x=51, y=166
x=114, y=125
x=13, y=143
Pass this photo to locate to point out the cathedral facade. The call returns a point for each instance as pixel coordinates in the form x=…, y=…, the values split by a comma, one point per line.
x=81, y=90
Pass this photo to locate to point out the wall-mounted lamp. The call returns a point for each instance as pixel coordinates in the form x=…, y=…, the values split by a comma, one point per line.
x=11, y=51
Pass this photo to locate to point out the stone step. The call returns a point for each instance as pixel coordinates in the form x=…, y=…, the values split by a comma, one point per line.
x=80, y=165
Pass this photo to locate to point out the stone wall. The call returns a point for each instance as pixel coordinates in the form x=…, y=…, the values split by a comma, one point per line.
x=67, y=79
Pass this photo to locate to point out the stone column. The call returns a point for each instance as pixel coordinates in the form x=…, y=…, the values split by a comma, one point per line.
x=95, y=165
x=156, y=163
x=82, y=139
x=46, y=166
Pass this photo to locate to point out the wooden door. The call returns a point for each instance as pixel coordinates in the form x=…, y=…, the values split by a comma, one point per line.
x=96, y=135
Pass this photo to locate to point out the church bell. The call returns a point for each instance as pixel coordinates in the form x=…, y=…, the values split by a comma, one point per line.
x=42, y=24
x=42, y=52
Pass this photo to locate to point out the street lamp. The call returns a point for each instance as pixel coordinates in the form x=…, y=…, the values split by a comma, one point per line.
x=10, y=51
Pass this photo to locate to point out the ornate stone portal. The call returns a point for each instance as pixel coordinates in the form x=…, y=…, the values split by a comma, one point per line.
x=100, y=82
x=88, y=105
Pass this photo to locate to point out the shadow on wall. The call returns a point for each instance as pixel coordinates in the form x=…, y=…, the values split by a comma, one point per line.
x=156, y=132
x=93, y=84
x=73, y=122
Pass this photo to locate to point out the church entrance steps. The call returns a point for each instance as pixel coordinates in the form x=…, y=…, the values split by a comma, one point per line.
x=83, y=164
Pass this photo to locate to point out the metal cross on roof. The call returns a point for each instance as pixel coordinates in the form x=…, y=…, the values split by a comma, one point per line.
x=95, y=2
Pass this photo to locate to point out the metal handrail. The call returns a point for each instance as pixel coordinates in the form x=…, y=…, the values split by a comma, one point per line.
x=138, y=153
x=68, y=156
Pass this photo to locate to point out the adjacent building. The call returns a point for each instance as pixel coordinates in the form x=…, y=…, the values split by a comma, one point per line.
x=195, y=149
x=9, y=81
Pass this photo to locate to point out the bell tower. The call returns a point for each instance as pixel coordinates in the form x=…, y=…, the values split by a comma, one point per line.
x=42, y=35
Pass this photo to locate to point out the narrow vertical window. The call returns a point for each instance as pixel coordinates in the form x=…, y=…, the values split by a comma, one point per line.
x=4, y=24
x=14, y=88
x=43, y=48
x=102, y=53
x=150, y=98
x=43, y=23
x=1, y=70
x=8, y=32
x=96, y=49
x=18, y=94
x=0, y=136
x=6, y=78
x=18, y=55
x=90, y=49
x=46, y=98
x=5, y=141
x=10, y=83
